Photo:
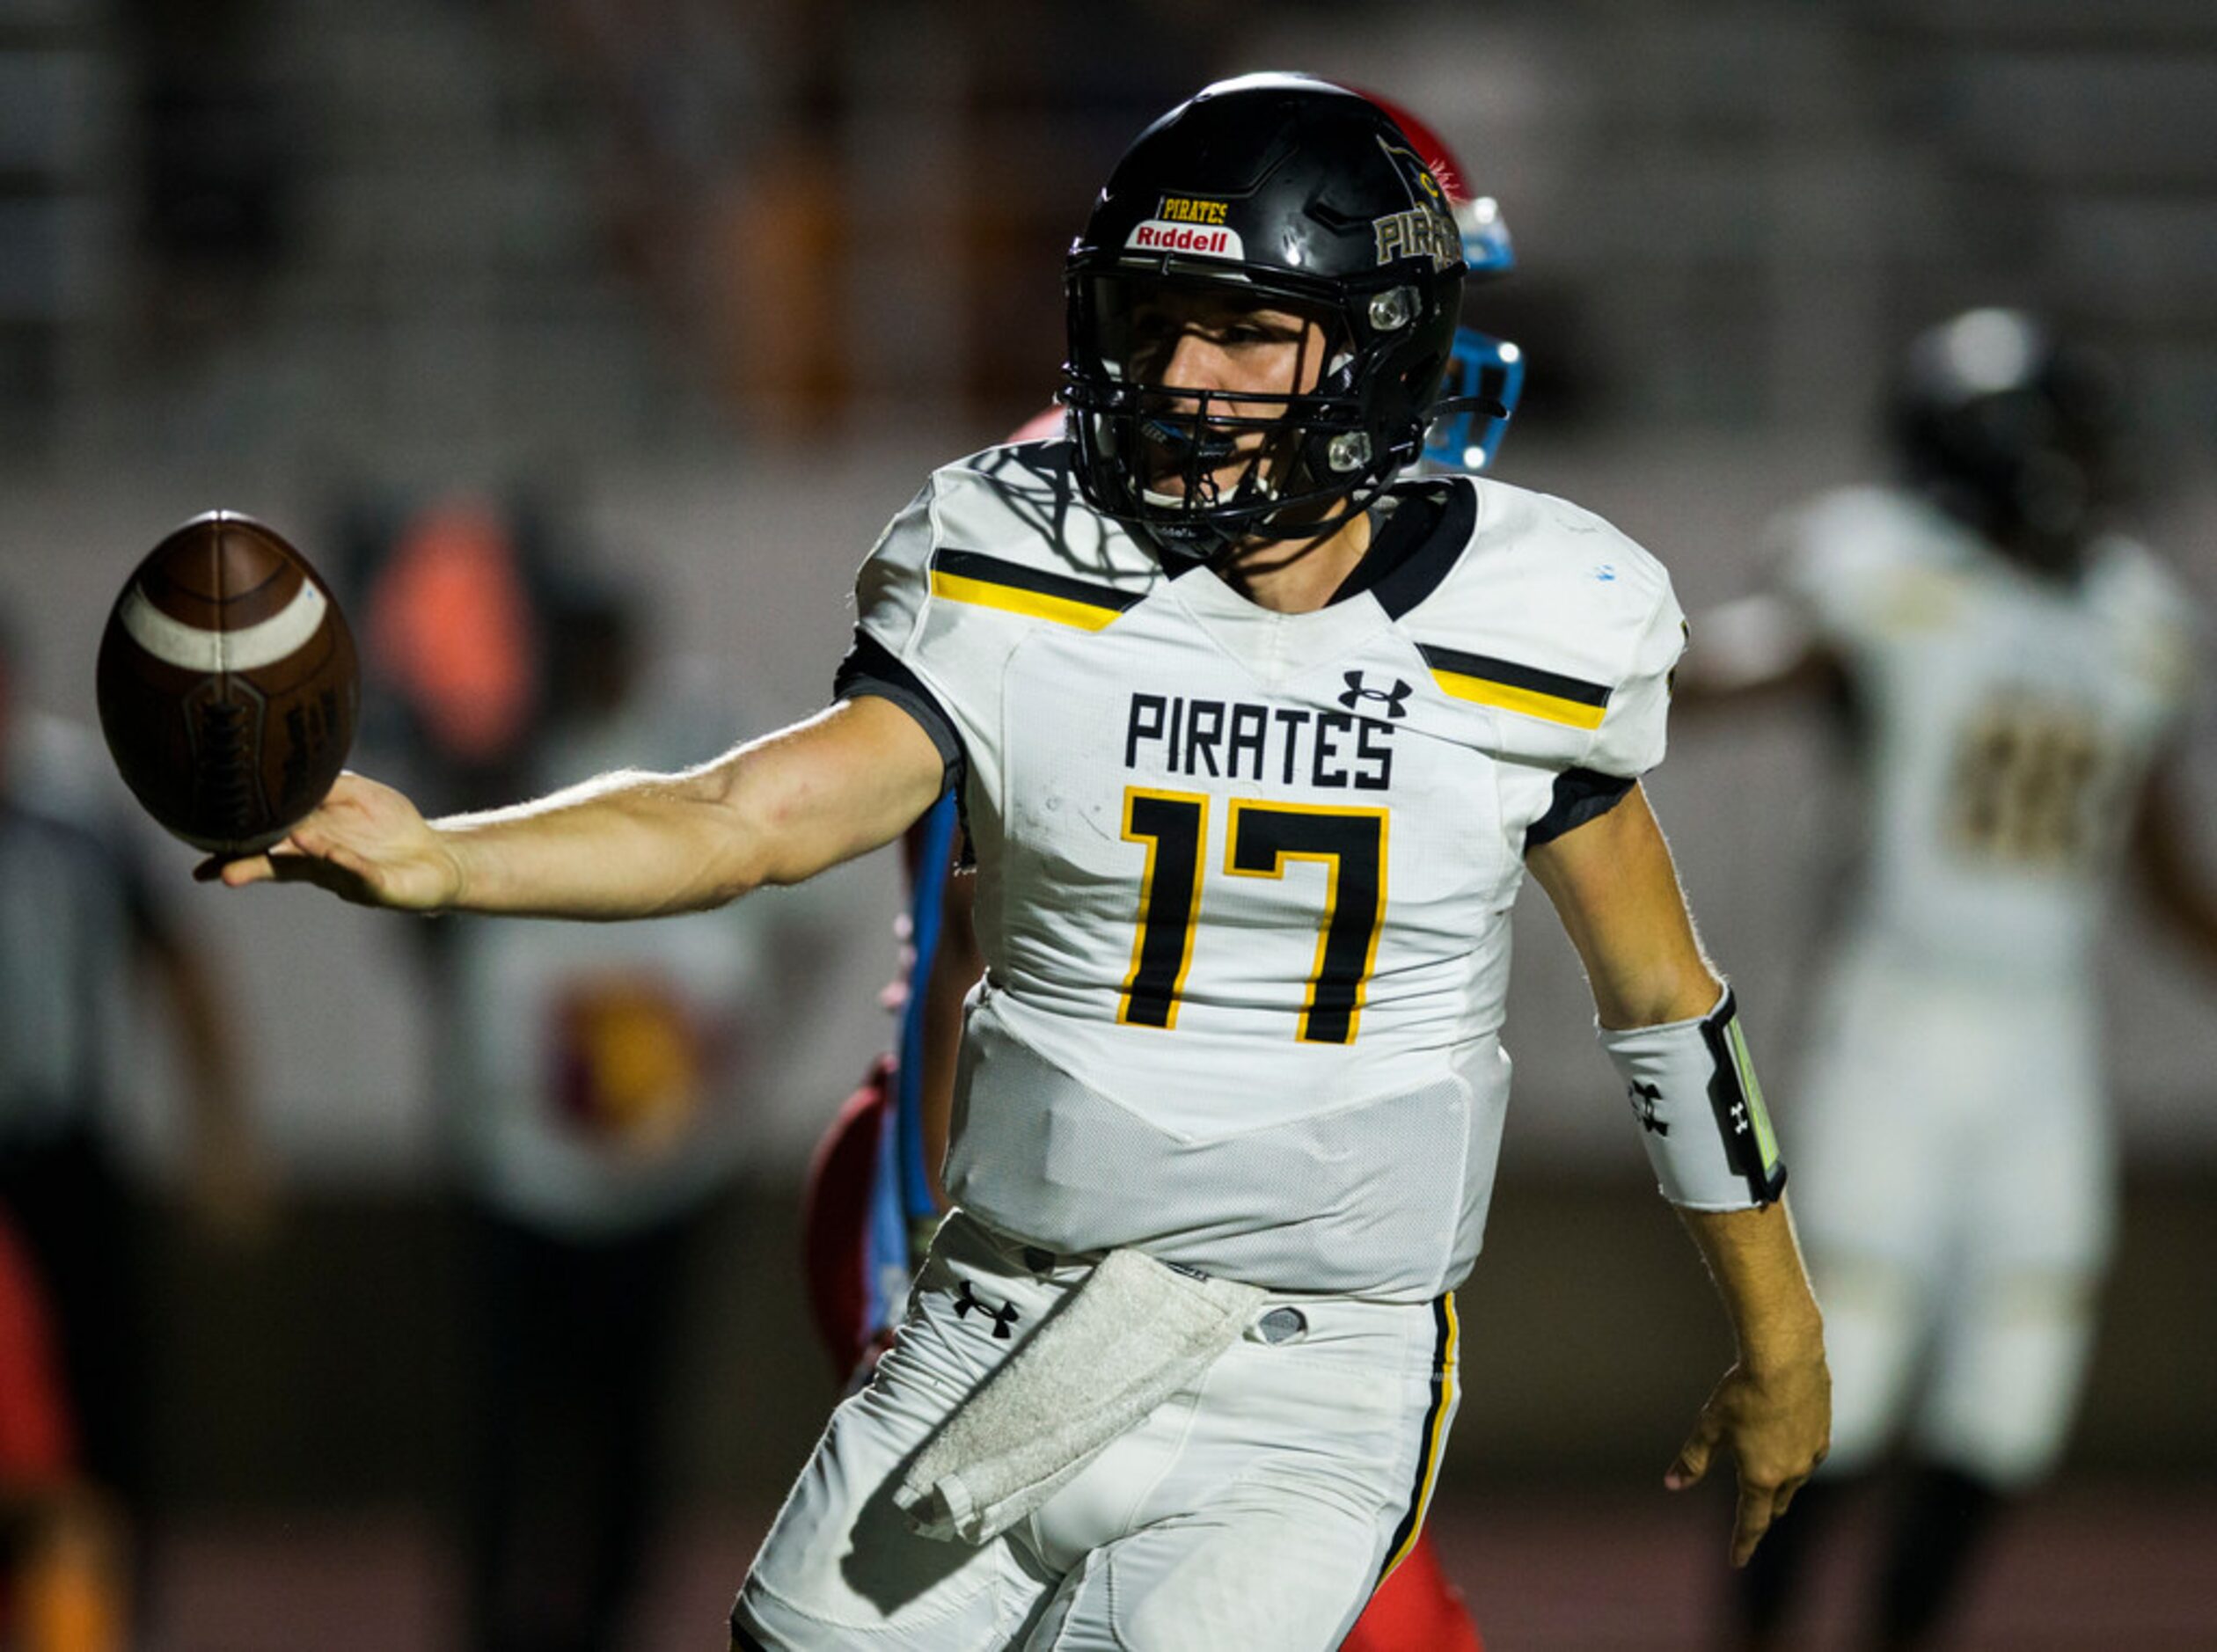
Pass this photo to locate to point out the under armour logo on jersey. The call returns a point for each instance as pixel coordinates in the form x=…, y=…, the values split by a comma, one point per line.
x=1355, y=693
x=1002, y=1316
x=1643, y=1098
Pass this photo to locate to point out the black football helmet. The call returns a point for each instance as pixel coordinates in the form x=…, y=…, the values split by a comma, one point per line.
x=1268, y=191
x=1485, y=372
x=2010, y=430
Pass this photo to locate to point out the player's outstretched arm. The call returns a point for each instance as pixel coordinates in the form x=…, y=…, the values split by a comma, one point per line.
x=2168, y=874
x=1757, y=650
x=773, y=811
x=1613, y=885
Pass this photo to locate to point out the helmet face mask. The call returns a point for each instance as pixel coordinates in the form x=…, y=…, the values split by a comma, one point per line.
x=1281, y=452
x=1276, y=198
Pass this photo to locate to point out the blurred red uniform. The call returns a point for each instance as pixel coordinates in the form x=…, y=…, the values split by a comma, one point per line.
x=37, y=1440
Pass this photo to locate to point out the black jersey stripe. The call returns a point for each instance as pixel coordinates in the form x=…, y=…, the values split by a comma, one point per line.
x=1491, y=668
x=1506, y=686
x=872, y=669
x=1579, y=795
x=976, y=566
x=1433, y=1445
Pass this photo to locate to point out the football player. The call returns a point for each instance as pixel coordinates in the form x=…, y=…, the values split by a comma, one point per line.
x=61, y=1540
x=79, y=922
x=1254, y=748
x=2013, y=669
x=872, y=1199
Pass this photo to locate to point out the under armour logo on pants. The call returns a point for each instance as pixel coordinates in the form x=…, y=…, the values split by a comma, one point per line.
x=1002, y=1316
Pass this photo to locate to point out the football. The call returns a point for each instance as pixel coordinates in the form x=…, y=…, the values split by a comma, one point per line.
x=227, y=684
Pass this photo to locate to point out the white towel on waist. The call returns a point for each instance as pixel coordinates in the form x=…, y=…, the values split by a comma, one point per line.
x=1134, y=1333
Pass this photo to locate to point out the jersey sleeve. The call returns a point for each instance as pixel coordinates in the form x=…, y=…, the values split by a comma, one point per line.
x=1556, y=636
x=895, y=581
x=889, y=596
x=1630, y=739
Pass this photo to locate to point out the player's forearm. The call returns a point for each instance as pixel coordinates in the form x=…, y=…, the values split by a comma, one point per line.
x=776, y=810
x=1756, y=1263
x=629, y=844
x=1757, y=649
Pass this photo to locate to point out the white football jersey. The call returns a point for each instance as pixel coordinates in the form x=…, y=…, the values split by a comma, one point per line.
x=1244, y=876
x=2009, y=721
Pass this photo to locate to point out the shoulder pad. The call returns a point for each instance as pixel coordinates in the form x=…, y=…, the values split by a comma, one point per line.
x=1546, y=584
x=1560, y=625
x=1869, y=559
x=1010, y=531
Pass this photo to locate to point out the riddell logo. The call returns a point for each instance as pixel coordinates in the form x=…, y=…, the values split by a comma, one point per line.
x=1159, y=235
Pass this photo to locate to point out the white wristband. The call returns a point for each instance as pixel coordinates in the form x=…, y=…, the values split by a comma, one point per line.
x=1692, y=1087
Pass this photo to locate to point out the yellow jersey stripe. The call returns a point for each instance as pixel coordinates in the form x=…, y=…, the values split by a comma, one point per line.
x=1528, y=701
x=1061, y=611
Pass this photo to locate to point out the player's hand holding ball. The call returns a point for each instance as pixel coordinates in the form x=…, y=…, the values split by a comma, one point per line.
x=365, y=843
x=228, y=690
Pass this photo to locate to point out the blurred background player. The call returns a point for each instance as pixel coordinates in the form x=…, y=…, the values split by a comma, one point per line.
x=873, y=1196
x=593, y=1072
x=2012, y=669
x=60, y=1583
x=78, y=924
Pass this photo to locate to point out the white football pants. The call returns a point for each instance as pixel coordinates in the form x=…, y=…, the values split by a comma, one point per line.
x=1955, y=1182
x=1258, y=1507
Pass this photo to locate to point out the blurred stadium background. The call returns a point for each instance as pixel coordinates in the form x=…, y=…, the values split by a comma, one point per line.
x=711, y=285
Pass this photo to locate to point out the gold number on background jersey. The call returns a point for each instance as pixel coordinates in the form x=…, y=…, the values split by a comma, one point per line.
x=2028, y=783
x=1348, y=842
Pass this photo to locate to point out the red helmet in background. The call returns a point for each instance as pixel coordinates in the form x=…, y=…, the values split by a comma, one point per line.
x=1483, y=369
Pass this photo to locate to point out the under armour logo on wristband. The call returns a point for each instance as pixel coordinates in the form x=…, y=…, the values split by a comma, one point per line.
x=1002, y=1316
x=1355, y=693
x=1643, y=1098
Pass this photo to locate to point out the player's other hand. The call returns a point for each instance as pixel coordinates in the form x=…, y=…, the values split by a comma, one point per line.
x=1775, y=1419
x=365, y=843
